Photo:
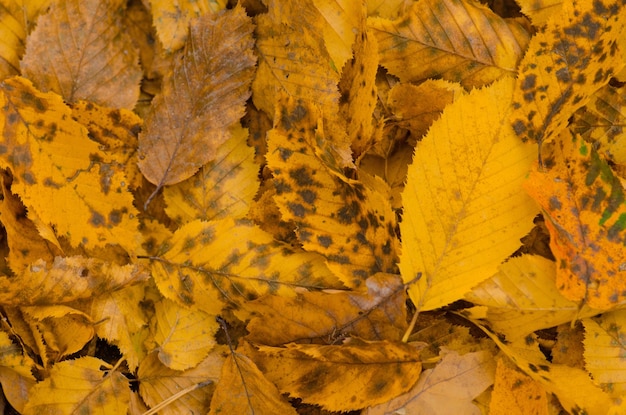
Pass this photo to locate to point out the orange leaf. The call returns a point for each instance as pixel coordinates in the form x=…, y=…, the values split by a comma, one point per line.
x=201, y=99
x=586, y=207
x=80, y=50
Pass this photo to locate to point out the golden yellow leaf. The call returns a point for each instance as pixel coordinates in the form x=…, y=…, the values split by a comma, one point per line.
x=605, y=345
x=224, y=187
x=25, y=244
x=601, y=122
x=386, y=8
x=585, y=205
x=16, y=375
x=58, y=171
x=80, y=50
x=572, y=386
x=540, y=11
x=378, y=315
x=522, y=298
x=202, y=98
x=116, y=131
x=243, y=389
x=464, y=207
x=515, y=393
x=66, y=279
x=340, y=218
x=184, y=336
x=458, y=40
x=122, y=321
x=157, y=383
x=80, y=386
x=17, y=17
x=211, y=264
x=449, y=388
x=570, y=58
x=344, y=377
x=173, y=17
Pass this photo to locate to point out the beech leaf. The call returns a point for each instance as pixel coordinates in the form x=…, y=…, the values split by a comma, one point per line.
x=202, y=97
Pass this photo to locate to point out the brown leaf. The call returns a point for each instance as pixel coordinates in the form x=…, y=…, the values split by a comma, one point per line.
x=202, y=97
x=80, y=50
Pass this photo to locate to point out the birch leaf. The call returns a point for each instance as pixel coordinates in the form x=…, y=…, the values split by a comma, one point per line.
x=569, y=59
x=80, y=385
x=457, y=40
x=342, y=377
x=586, y=222
x=340, y=218
x=211, y=264
x=15, y=372
x=516, y=393
x=58, y=173
x=202, y=98
x=80, y=51
x=450, y=220
x=224, y=187
x=540, y=11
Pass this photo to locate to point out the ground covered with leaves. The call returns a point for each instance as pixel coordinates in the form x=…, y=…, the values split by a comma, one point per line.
x=313, y=207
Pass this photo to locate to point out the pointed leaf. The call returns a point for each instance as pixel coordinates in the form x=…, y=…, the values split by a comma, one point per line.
x=80, y=50
x=570, y=58
x=586, y=207
x=341, y=21
x=224, y=187
x=80, y=386
x=605, y=346
x=15, y=372
x=458, y=40
x=202, y=98
x=463, y=198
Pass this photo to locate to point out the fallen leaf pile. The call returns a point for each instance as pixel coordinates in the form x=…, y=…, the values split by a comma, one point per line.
x=312, y=207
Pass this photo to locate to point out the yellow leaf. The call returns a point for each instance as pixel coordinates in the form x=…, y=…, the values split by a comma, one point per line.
x=80, y=386
x=185, y=336
x=58, y=173
x=601, y=122
x=224, y=187
x=515, y=393
x=458, y=40
x=386, y=8
x=211, y=264
x=157, y=383
x=522, y=298
x=351, y=376
x=464, y=207
x=173, y=17
x=585, y=205
x=116, y=131
x=569, y=59
x=15, y=372
x=341, y=19
x=378, y=315
x=17, y=18
x=572, y=386
x=80, y=50
x=122, y=321
x=449, y=388
x=540, y=11
x=605, y=345
x=340, y=218
x=243, y=389
x=66, y=279
x=202, y=98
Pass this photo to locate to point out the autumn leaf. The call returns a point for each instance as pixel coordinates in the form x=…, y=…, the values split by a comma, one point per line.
x=208, y=265
x=80, y=385
x=570, y=58
x=340, y=218
x=540, y=11
x=478, y=206
x=15, y=372
x=586, y=223
x=341, y=378
x=448, y=388
x=57, y=170
x=456, y=40
x=80, y=51
x=202, y=97
x=516, y=393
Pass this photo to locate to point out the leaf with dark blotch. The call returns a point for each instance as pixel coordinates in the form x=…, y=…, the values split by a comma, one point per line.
x=202, y=98
x=80, y=50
